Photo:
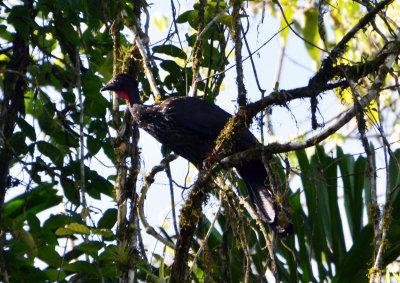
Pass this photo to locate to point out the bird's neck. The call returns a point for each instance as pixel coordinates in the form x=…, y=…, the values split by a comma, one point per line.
x=139, y=113
x=134, y=97
x=130, y=93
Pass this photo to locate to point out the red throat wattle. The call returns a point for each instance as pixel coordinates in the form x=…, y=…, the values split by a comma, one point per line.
x=123, y=94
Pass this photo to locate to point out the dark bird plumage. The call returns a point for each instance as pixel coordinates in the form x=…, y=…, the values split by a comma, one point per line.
x=189, y=126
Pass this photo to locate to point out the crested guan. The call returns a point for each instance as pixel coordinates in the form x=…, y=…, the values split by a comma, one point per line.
x=189, y=126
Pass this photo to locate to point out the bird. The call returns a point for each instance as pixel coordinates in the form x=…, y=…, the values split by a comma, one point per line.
x=189, y=126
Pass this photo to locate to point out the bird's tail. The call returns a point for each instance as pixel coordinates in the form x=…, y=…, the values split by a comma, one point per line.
x=263, y=198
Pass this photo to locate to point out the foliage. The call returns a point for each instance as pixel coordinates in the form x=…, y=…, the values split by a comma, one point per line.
x=57, y=130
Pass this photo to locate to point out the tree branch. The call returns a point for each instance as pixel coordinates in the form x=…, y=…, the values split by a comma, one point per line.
x=140, y=202
x=190, y=215
x=197, y=48
x=12, y=106
x=354, y=72
x=237, y=38
x=254, y=153
x=146, y=64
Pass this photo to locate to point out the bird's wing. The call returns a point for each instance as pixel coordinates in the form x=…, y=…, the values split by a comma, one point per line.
x=199, y=122
x=207, y=119
x=197, y=115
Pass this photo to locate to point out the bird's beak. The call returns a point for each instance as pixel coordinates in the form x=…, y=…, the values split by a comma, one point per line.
x=110, y=86
x=114, y=84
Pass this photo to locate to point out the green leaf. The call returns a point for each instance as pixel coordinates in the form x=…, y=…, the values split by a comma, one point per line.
x=91, y=248
x=97, y=184
x=354, y=265
x=50, y=256
x=394, y=176
x=329, y=209
x=112, y=270
x=81, y=267
x=26, y=237
x=4, y=34
x=62, y=231
x=108, y=149
x=70, y=191
x=357, y=204
x=96, y=108
x=95, y=104
x=55, y=275
x=217, y=61
x=171, y=67
x=51, y=152
x=107, y=233
x=99, y=128
x=311, y=33
x=34, y=223
x=17, y=142
x=353, y=176
x=94, y=145
x=69, y=33
x=73, y=228
x=91, y=85
x=226, y=20
x=56, y=221
x=185, y=16
x=27, y=129
x=49, y=44
x=316, y=220
x=69, y=97
x=303, y=229
x=288, y=12
x=38, y=199
x=20, y=19
x=109, y=219
x=192, y=17
x=46, y=120
x=170, y=50
x=392, y=250
x=79, y=228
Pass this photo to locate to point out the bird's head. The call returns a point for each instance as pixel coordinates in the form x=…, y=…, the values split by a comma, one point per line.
x=125, y=86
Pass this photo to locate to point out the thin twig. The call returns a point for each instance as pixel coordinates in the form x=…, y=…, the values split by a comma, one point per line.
x=252, y=62
x=210, y=61
x=245, y=245
x=340, y=47
x=171, y=190
x=385, y=213
x=208, y=233
x=255, y=51
x=295, y=32
x=268, y=243
x=393, y=48
x=189, y=218
x=114, y=31
x=359, y=114
x=140, y=202
x=212, y=22
x=380, y=241
x=238, y=55
x=280, y=63
x=81, y=144
x=146, y=64
x=180, y=44
x=197, y=48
